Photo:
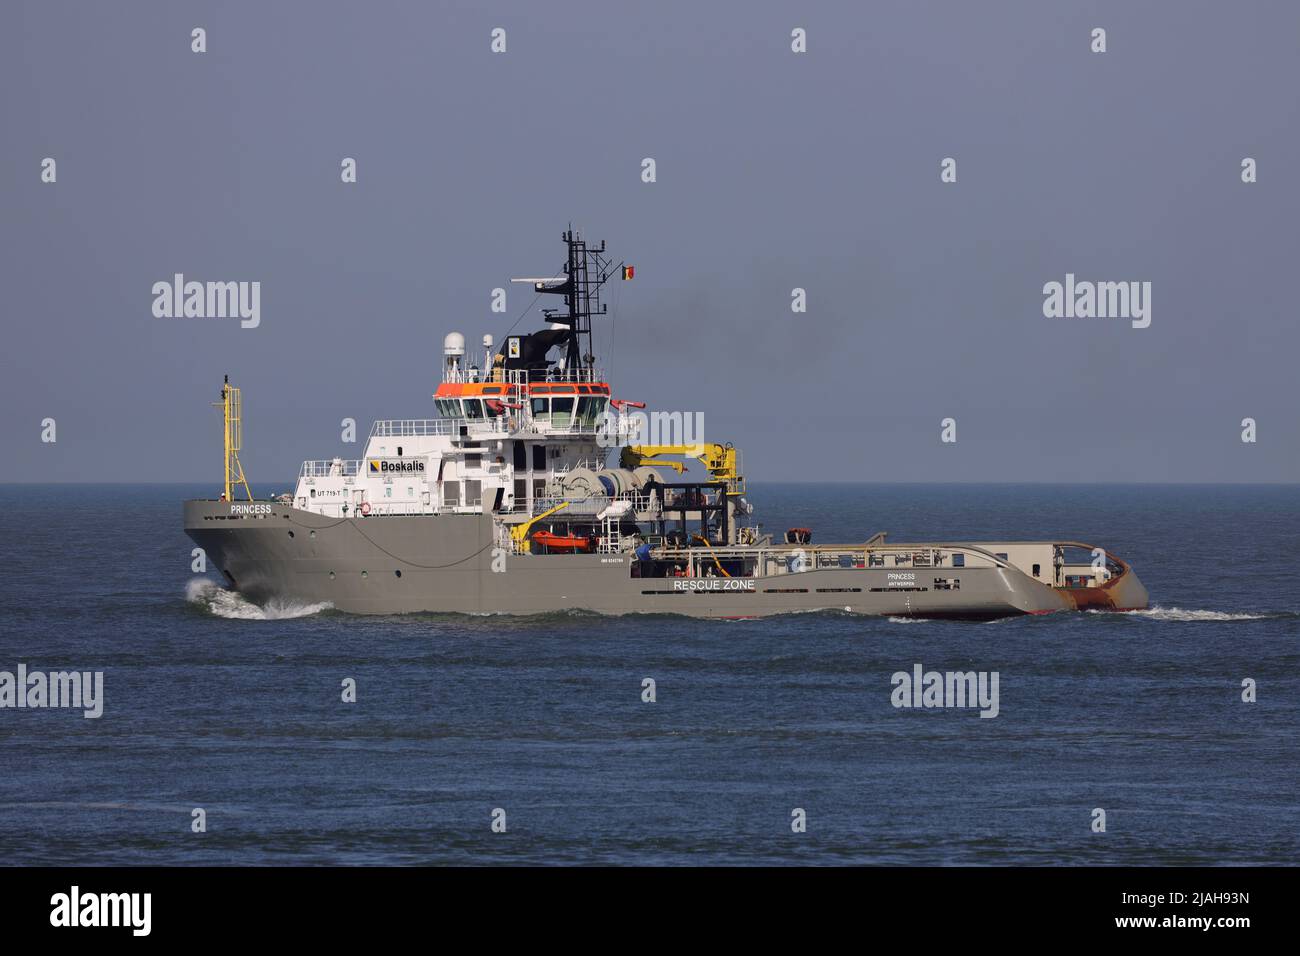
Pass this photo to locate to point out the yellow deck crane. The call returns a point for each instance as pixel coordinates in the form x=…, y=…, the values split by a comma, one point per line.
x=721, y=461
x=520, y=531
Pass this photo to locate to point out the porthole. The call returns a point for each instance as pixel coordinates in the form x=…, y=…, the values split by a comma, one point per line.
x=313, y=534
x=364, y=574
x=331, y=575
x=291, y=534
x=398, y=572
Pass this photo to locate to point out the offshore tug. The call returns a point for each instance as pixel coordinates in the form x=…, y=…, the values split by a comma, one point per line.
x=533, y=491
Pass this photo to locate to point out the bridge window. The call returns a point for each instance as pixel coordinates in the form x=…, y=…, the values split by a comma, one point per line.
x=542, y=409
x=589, y=410
x=473, y=409
x=561, y=411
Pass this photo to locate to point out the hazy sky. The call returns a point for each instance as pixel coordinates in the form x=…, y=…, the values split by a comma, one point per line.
x=775, y=170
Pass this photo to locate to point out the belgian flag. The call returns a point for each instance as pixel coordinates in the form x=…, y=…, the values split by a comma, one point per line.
x=629, y=272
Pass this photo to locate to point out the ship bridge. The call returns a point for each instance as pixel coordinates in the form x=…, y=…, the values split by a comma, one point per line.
x=520, y=422
x=544, y=407
x=542, y=399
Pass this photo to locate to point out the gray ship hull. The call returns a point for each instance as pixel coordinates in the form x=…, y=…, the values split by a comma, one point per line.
x=450, y=563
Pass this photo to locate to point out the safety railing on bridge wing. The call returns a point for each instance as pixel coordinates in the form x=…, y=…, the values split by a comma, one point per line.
x=411, y=427
x=331, y=468
x=425, y=427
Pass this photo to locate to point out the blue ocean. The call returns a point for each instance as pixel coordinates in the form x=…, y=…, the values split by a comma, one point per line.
x=212, y=703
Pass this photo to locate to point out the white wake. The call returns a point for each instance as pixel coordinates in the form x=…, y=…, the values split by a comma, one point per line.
x=231, y=604
x=1178, y=614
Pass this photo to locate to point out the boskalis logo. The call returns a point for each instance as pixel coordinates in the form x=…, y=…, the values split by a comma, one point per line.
x=397, y=466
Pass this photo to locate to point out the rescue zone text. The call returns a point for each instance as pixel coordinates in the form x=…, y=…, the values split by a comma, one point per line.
x=713, y=584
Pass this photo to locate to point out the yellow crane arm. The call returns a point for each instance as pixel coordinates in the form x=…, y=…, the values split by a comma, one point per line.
x=719, y=460
x=634, y=456
x=520, y=531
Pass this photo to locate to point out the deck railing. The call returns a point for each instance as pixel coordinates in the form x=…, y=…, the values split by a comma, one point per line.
x=330, y=468
x=412, y=427
x=522, y=376
x=499, y=425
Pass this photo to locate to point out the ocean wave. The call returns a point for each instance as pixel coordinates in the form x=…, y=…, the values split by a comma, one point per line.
x=232, y=605
x=1179, y=614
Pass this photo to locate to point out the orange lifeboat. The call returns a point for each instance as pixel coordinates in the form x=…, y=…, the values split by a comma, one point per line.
x=565, y=543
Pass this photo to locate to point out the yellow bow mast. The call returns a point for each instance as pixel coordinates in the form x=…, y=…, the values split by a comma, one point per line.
x=232, y=414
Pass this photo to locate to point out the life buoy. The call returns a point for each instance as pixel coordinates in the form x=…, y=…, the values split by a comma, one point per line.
x=365, y=507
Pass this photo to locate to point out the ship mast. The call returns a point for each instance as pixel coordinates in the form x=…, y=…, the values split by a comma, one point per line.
x=587, y=270
x=232, y=408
